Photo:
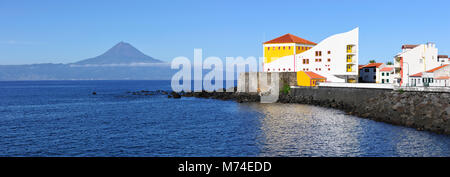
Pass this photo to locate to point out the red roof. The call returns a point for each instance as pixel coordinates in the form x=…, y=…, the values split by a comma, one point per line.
x=443, y=77
x=416, y=75
x=313, y=75
x=409, y=46
x=372, y=65
x=435, y=69
x=360, y=66
x=429, y=71
x=289, y=38
x=442, y=56
x=386, y=69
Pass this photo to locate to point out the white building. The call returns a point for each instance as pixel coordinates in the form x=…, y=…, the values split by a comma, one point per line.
x=414, y=59
x=387, y=75
x=336, y=57
x=444, y=59
x=439, y=76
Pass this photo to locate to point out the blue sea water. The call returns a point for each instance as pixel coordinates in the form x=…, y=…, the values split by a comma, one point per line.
x=64, y=118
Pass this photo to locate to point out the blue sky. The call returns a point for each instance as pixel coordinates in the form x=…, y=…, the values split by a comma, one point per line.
x=68, y=31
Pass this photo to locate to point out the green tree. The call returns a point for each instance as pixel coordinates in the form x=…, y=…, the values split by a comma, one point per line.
x=372, y=61
x=389, y=63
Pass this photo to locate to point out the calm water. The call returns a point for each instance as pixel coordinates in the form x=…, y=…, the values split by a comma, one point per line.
x=63, y=118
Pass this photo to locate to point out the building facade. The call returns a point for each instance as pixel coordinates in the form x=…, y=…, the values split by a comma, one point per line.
x=438, y=77
x=370, y=73
x=387, y=75
x=309, y=78
x=443, y=59
x=335, y=58
x=414, y=59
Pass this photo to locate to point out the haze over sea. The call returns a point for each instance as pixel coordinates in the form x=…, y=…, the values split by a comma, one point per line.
x=64, y=118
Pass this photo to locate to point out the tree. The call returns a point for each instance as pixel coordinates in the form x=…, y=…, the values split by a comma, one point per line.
x=389, y=63
x=372, y=61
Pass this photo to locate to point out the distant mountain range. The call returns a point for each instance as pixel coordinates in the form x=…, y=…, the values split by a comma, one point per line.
x=123, y=61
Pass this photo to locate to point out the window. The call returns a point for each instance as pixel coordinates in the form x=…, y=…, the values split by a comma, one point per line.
x=387, y=74
x=374, y=77
x=329, y=52
x=329, y=69
x=329, y=60
x=298, y=48
x=387, y=80
x=382, y=81
x=279, y=48
x=366, y=70
x=284, y=48
x=318, y=53
x=268, y=48
x=289, y=47
x=382, y=74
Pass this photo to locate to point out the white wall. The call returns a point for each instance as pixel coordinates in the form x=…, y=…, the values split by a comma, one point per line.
x=418, y=59
x=337, y=45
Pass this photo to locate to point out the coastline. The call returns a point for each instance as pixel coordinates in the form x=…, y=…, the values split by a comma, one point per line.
x=419, y=110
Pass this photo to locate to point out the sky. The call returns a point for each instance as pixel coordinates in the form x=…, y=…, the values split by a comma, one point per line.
x=68, y=31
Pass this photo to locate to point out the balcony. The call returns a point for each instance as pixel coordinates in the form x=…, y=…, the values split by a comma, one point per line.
x=350, y=58
x=351, y=49
x=350, y=67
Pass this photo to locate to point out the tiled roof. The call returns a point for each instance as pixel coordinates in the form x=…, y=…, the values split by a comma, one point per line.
x=442, y=56
x=360, y=66
x=442, y=77
x=429, y=71
x=435, y=69
x=386, y=69
x=372, y=65
x=289, y=38
x=417, y=75
x=313, y=75
x=409, y=46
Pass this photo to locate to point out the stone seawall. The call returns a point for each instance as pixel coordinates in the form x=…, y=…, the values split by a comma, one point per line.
x=420, y=110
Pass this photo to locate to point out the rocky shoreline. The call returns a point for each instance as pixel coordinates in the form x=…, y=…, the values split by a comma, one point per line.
x=420, y=110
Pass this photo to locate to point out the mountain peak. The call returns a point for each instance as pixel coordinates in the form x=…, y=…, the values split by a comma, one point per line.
x=121, y=53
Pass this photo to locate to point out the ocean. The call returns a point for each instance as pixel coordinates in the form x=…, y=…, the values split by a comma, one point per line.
x=64, y=118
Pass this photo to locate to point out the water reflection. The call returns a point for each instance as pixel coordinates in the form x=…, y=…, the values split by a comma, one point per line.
x=304, y=130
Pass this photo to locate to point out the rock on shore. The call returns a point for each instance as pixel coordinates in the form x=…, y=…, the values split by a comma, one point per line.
x=420, y=110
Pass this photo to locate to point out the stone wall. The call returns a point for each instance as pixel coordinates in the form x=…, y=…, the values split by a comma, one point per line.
x=245, y=84
x=421, y=110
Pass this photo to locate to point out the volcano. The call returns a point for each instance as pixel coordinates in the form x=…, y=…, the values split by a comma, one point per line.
x=121, y=53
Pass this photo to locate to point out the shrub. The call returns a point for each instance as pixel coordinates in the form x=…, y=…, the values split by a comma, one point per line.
x=286, y=89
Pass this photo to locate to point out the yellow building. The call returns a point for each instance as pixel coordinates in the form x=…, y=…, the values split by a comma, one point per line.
x=309, y=78
x=285, y=45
